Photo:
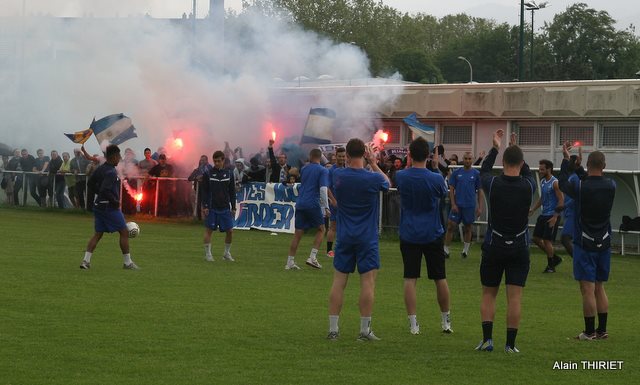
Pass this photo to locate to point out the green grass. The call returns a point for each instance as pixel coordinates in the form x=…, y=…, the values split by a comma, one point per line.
x=180, y=320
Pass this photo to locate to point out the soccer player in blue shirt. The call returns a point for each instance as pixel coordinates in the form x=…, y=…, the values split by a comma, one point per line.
x=106, y=209
x=421, y=231
x=358, y=194
x=464, y=186
x=593, y=197
x=312, y=206
x=218, y=204
x=552, y=202
x=341, y=157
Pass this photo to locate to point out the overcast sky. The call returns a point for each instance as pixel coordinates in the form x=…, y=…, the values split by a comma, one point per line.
x=501, y=10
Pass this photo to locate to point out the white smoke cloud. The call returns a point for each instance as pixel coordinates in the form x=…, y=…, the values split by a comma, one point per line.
x=170, y=82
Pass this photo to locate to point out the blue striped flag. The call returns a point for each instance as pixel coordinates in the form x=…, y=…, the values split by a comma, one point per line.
x=419, y=129
x=319, y=126
x=115, y=129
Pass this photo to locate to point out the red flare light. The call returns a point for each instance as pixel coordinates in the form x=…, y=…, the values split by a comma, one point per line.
x=178, y=144
x=138, y=197
x=384, y=137
x=273, y=135
x=576, y=144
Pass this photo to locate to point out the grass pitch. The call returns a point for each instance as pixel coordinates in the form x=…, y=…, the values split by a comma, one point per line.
x=180, y=320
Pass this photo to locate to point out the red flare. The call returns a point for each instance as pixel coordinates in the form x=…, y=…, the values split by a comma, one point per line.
x=138, y=197
x=273, y=135
x=178, y=144
x=384, y=136
x=576, y=144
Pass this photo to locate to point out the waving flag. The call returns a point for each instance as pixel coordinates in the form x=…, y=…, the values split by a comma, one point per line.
x=419, y=129
x=80, y=137
x=115, y=129
x=319, y=127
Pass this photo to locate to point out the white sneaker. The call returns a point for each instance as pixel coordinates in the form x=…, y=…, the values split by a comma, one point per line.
x=446, y=325
x=208, y=258
x=131, y=266
x=415, y=331
x=228, y=257
x=367, y=337
x=313, y=262
x=291, y=266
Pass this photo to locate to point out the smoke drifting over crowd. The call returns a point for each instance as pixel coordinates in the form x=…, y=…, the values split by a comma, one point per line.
x=172, y=81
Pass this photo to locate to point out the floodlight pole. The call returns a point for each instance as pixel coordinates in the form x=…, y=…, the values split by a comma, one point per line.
x=521, y=45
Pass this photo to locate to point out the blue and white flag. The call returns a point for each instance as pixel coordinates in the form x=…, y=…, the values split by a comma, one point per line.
x=115, y=129
x=319, y=126
x=419, y=129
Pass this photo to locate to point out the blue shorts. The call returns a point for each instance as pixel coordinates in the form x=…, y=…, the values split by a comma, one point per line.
x=347, y=255
x=108, y=220
x=219, y=219
x=465, y=214
x=592, y=266
x=309, y=218
x=567, y=226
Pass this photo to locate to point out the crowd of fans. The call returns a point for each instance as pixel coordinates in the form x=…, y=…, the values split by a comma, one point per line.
x=60, y=180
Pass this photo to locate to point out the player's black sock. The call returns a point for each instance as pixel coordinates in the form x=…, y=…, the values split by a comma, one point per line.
x=487, y=330
x=550, y=261
x=602, y=322
x=329, y=246
x=511, y=337
x=589, y=325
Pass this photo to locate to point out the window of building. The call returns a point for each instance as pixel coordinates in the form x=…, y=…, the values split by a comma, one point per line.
x=582, y=134
x=534, y=136
x=456, y=135
x=394, y=132
x=619, y=135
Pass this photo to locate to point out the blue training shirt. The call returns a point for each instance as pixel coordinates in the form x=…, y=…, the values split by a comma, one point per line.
x=312, y=177
x=466, y=184
x=420, y=193
x=357, y=192
x=549, y=198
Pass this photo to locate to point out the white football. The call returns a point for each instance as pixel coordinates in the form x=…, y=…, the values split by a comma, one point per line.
x=133, y=229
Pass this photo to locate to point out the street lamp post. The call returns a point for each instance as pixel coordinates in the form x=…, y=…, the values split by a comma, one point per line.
x=532, y=6
x=470, y=68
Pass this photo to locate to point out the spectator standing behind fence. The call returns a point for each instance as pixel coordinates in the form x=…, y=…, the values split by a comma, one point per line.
x=166, y=188
x=42, y=182
x=4, y=181
x=28, y=164
x=196, y=177
x=256, y=172
x=56, y=183
x=239, y=173
x=69, y=178
x=14, y=164
x=79, y=166
x=280, y=169
x=148, y=186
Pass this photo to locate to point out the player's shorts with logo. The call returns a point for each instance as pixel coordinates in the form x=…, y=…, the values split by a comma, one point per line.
x=219, y=219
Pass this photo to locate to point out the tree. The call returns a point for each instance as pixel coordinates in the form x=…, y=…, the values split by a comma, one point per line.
x=585, y=44
x=416, y=66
